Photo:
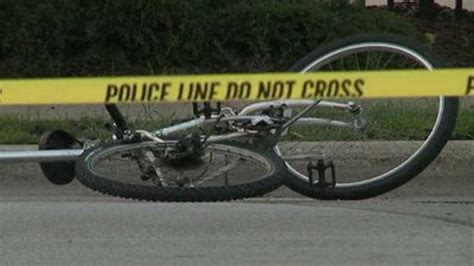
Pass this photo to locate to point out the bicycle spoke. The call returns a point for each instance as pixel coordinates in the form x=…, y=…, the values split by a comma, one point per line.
x=357, y=61
x=367, y=62
x=388, y=121
x=388, y=61
x=379, y=60
x=404, y=63
x=220, y=172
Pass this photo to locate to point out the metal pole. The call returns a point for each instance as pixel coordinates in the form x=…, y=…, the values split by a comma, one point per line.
x=34, y=156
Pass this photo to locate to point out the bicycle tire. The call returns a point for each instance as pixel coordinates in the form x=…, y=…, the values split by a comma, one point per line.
x=273, y=180
x=415, y=164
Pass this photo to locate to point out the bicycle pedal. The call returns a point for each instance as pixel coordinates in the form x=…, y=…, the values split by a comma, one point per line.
x=321, y=167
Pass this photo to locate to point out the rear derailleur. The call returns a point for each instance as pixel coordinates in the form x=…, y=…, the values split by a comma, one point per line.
x=187, y=151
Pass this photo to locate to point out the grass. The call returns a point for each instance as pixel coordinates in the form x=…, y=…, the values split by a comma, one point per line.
x=411, y=124
x=20, y=130
x=386, y=122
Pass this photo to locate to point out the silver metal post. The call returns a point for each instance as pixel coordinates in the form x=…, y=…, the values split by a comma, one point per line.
x=35, y=156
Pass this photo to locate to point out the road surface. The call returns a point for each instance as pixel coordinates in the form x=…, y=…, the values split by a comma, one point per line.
x=429, y=221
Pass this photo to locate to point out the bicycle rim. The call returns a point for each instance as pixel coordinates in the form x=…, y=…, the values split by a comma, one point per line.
x=217, y=166
x=367, y=157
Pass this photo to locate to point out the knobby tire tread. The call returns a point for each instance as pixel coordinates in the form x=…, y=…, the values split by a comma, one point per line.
x=178, y=194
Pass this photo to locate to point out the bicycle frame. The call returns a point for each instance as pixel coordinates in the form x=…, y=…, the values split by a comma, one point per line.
x=247, y=114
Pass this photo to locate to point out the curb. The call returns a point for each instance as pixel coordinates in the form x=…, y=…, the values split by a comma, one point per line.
x=451, y=174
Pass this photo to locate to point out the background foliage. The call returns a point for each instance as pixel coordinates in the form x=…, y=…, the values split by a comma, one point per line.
x=123, y=37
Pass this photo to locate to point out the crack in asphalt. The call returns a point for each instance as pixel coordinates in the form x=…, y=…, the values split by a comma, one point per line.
x=306, y=203
x=445, y=202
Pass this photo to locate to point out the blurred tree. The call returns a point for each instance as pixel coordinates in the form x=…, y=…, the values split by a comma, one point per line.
x=426, y=8
x=359, y=2
x=459, y=7
x=391, y=4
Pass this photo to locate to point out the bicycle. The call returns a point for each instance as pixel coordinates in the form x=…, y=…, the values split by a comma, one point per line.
x=225, y=153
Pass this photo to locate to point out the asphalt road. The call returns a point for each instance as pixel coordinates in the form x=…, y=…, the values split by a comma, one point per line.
x=429, y=221
x=101, y=231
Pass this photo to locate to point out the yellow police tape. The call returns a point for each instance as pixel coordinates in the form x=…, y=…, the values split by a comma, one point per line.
x=236, y=87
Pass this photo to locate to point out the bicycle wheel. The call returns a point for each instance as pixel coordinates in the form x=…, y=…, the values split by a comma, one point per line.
x=401, y=138
x=159, y=172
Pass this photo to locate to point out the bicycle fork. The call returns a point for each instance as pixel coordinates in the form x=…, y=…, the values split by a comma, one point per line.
x=120, y=127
